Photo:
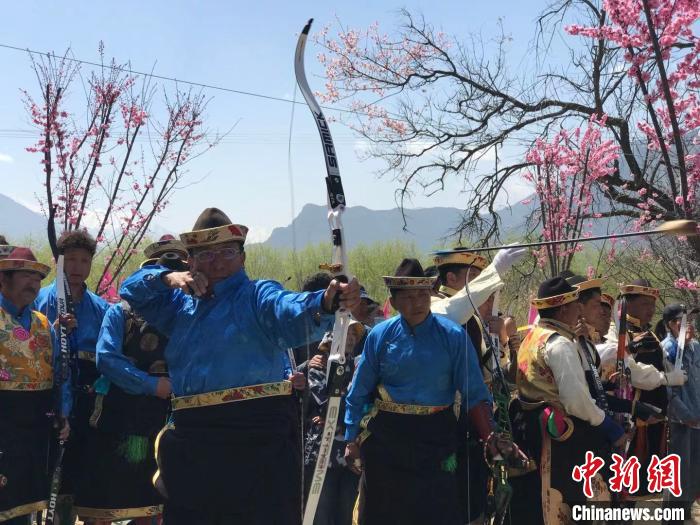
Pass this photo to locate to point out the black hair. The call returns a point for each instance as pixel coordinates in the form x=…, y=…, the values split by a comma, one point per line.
x=78, y=239
x=317, y=281
x=447, y=268
x=548, y=313
x=586, y=295
x=661, y=329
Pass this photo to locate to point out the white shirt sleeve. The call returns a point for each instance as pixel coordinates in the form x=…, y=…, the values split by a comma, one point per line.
x=562, y=357
x=458, y=308
x=643, y=376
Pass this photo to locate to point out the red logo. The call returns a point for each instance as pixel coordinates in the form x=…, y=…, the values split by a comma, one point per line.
x=662, y=474
x=625, y=474
x=665, y=474
x=587, y=471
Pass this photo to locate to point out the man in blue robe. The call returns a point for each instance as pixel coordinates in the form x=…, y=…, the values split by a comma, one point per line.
x=78, y=249
x=416, y=362
x=231, y=453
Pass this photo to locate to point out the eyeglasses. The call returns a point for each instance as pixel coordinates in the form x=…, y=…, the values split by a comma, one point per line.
x=209, y=255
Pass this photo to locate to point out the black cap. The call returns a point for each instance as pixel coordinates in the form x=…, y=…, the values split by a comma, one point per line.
x=553, y=287
x=676, y=311
x=409, y=268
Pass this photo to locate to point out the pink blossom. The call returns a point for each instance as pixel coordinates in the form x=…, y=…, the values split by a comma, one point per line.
x=685, y=284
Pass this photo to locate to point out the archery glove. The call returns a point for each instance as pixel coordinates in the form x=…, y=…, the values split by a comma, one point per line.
x=506, y=258
x=674, y=378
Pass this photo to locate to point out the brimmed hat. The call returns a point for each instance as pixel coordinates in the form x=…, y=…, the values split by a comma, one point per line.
x=23, y=259
x=5, y=250
x=640, y=287
x=167, y=243
x=582, y=283
x=409, y=275
x=607, y=299
x=554, y=292
x=213, y=227
x=459, y=256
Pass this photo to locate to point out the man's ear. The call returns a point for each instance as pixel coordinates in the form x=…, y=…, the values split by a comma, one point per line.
x=391, y=302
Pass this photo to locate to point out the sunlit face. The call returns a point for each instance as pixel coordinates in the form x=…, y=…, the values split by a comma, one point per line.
x=486, y=309
x=413, y=305
x=457, y=280
x=674, y=327
x=77, y=265
x=217, y=262
x=570, y=313
x=20, y=287
x=642, y=307
x=592, y=310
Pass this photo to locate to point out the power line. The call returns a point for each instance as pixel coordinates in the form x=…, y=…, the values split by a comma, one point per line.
x=173, y=79
x=253, y=137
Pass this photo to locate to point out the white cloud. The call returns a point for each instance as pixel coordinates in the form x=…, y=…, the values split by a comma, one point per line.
x=4, y=157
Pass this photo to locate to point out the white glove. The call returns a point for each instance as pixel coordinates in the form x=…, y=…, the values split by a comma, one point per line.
x=675, y=378
x=506, y=258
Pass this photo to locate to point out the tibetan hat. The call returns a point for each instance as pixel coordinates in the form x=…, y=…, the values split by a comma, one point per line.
x=5, y=250
x=23, y=259
x=459, y=256
x=213, y=227
x=640, y=287
x=607, y=299
x=166, y=244
x=555, y=292
x=582, y=283
x=409, y=275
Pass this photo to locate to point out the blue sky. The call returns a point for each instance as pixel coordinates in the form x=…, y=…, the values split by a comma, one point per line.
x=242, y=45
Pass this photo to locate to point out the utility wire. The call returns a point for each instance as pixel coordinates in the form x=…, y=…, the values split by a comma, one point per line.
x=173, y=79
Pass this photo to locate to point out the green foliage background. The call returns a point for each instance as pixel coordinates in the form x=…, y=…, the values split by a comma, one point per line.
x=370, y=262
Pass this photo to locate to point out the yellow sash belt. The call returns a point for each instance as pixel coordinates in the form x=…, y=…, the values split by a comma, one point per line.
x=231, y=395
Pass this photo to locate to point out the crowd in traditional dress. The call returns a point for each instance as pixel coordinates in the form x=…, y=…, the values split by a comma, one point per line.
x=202, y=396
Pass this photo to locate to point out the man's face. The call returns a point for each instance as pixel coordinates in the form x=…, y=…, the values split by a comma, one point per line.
x=77, y=265
x=570, y=313
x=642, y=307
x=457, y=280
x=486, y=309
x=20, y=287
x=691, y=326
x=413, y=305
x=591, y=310
x=365, y=311
x=217, y=262
x=603, y=324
